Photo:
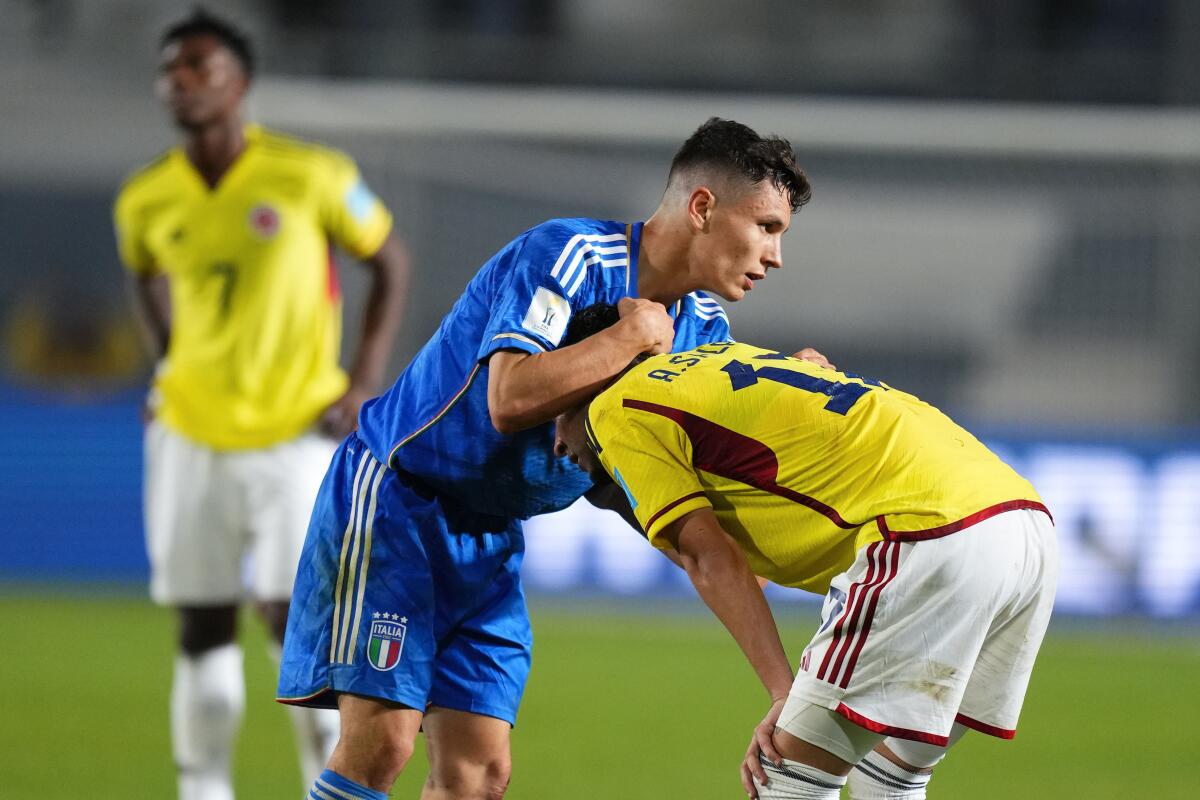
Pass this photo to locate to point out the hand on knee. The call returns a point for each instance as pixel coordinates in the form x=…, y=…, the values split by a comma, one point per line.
x=376, y=741
x=794, y=780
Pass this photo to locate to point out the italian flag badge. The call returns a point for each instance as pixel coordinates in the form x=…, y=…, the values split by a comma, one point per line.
x=386, y=643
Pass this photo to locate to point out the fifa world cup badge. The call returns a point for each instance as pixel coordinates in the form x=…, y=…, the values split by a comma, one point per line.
x=387, y=640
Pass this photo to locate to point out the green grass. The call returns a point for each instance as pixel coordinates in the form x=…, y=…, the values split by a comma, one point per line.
x=619, y=705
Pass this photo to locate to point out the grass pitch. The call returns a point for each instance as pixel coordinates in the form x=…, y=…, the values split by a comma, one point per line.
x=620, y=705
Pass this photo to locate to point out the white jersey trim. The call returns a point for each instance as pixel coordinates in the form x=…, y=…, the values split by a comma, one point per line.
x=583, y=251
x=706, y=308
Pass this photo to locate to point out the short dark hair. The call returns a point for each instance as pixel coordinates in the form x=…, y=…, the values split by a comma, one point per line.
x=588, y=321
x=737, y=148
x=203, y=23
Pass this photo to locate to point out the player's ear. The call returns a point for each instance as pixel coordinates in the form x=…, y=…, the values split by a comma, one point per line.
x=700, y=207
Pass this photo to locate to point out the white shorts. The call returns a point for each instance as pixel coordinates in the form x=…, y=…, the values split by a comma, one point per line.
x=207, y=510
x=918, y=635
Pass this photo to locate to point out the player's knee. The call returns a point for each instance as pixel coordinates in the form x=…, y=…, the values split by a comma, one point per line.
x=392, y=754
x=880, y=778
x=496, y=779
x=486, y=778
x=374, y=762
x=206, y=628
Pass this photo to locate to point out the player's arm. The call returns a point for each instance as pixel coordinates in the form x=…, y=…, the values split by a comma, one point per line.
x=152, y=298
x=382, y=316
x=722, y=577
x=527, y=389
x=147, y=284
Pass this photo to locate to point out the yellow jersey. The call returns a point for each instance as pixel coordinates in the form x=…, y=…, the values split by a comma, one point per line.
x=255, y=304
x=802, y=465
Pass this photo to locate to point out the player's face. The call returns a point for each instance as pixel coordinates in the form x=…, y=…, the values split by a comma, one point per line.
x=743, y=239
x=200, y=81
x=571, y=441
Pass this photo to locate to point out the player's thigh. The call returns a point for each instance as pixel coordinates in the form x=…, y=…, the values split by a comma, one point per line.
x=919, y=756
x=889, y=656
x=996, y=689
x=819, y=737
x=375, y=734
x=362, y=619
x=281, y=486
x=466, y=748
x=193, y=536
x=483, y=663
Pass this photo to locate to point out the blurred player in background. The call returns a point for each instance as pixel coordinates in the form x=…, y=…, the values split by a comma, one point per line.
x=938, y=561
x=227, y=237
x=408, y=610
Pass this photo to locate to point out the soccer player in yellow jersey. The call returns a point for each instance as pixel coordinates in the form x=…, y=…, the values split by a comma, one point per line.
x=938, y=561
x=227, y=238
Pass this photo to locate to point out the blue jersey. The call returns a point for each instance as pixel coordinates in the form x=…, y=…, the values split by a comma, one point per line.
x=434, y=423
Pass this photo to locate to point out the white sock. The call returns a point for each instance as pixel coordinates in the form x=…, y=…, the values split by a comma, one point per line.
x=876, y=778
x=797, y=781
x=207, y=699
x=317, y=731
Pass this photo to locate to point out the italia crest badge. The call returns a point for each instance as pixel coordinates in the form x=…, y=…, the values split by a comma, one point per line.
x=386, y=641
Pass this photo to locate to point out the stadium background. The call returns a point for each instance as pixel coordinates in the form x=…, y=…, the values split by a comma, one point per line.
x=1006, y=221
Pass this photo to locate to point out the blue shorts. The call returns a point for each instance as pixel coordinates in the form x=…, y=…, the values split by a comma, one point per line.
x=406, y=596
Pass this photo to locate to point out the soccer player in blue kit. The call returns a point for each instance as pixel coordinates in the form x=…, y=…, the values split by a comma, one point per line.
x=408, y=612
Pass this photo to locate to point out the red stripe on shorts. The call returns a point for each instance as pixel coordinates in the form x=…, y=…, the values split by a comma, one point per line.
x=894, y=568
x=983, y=727
x=866, y=599
x=851, y=598
x=891, y=730
x=855, y=603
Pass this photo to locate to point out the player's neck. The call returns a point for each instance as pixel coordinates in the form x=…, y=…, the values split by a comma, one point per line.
x=213, y=148
x=662, y=272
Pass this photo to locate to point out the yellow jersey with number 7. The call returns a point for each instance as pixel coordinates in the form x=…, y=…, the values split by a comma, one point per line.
x=255, y=303
x=802, y=465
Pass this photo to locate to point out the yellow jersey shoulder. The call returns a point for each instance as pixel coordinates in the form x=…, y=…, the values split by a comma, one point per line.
x=152, y=178
x=316, y=156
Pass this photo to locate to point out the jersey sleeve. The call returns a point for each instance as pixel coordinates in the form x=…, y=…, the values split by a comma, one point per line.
x=530, y=309
x=350, y=212
x=716, y=330
x=650, y=458
x=712, y=323
x=129, y=226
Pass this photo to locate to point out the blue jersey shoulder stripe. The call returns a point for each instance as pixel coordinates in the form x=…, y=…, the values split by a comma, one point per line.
x=707, y=308
x=606, y=257
x=584, y=250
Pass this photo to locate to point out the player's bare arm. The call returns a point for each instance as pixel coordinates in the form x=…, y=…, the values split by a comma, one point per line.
x=526, y=390
x=723, y=579
x=381, y=322
x=152, y=297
